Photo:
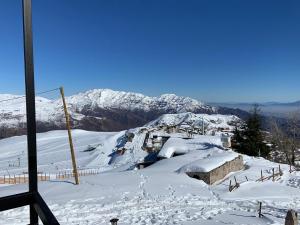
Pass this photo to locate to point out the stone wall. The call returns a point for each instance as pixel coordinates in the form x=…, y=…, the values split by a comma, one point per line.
x=219, y=172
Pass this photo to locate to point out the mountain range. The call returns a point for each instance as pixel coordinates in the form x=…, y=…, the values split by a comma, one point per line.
x=98, y=110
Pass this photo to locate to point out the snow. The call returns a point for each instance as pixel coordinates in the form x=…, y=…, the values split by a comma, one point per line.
x=53, y=150
x=172, y=146
x=13, y=112
x=210, y=122
x=107, y=98
x=212, y=161
x=159, y=194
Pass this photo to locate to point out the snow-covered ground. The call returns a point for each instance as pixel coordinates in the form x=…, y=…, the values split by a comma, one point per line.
x=53, y=150
x=210, y=122
x=159, y=194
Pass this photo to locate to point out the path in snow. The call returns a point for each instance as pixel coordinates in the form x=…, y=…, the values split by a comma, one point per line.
x=158, y=210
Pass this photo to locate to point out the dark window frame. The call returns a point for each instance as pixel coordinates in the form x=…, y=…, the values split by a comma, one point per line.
x=37, y=206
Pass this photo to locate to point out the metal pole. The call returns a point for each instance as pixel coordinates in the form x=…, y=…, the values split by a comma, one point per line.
x=30, y=104
x=70, y=135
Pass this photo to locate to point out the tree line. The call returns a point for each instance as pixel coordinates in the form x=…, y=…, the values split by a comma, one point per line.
x=277, y=144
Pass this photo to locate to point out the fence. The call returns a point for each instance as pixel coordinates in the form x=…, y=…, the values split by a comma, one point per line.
x=21, y=178
x=61, y=175
x=69, y=174
x=275, y=176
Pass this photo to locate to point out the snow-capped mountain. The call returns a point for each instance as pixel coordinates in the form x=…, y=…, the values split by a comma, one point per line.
x=98, y=109
x=109, y=99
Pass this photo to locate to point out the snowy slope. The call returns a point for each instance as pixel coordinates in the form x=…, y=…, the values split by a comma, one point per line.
x=13, y=112
x=159, y=194
x=210, y=122
x=54, y=152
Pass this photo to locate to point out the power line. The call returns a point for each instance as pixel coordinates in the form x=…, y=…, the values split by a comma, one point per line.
x=43, y=92
x=39, y=93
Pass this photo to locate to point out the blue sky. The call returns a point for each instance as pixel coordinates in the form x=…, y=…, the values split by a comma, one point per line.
x=211, y=50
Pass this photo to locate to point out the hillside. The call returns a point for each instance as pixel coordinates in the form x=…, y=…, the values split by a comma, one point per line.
x=53, y=145
x=159, y=194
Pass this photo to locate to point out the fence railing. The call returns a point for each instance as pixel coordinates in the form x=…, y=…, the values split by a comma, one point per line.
x=60, y=175
x=274, y=176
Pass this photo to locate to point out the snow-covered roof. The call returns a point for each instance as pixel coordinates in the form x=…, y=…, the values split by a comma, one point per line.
x=209, y=163
x=173, y=145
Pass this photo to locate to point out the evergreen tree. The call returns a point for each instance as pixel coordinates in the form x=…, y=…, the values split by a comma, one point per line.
x=250, y=140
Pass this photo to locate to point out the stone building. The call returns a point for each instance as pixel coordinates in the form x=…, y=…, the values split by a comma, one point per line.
x=220, y=172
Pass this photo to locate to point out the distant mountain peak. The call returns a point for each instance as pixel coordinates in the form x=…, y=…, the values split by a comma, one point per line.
x=96, y=109
x=107, y=98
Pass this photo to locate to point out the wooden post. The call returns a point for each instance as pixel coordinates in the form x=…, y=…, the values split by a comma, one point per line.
x=273, y=174
x=261, y=175
x=280, y=172
x=230, y=186
x=259, y=210
x=70, y=135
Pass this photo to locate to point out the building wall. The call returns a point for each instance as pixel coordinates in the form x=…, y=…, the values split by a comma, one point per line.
x=219, y=172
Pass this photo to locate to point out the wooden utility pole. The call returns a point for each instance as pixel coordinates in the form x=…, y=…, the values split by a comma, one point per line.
x=70, y=135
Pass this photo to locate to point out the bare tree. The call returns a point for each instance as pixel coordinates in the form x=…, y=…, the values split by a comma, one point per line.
x=286, y=142
x=278, y=139
x=294, y=133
